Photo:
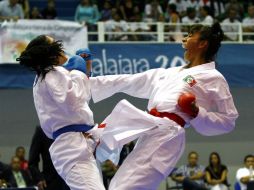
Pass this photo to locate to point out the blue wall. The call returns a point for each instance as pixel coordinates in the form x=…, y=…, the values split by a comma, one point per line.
x=235, y=61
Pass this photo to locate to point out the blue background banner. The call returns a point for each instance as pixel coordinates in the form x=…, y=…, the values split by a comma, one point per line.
x=234, y=61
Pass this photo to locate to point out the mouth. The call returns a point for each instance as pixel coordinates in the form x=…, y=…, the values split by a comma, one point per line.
x=184, y=47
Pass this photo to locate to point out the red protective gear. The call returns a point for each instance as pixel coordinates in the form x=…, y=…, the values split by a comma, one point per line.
x=187, y=103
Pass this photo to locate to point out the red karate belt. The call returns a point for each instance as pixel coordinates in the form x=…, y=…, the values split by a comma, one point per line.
x=172, y=116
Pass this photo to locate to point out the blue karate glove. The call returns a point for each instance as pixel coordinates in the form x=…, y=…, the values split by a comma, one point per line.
x=87, y=54
x=76, y=63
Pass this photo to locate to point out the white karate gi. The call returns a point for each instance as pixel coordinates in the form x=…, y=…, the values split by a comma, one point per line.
x=161, y=144
x=61, y=99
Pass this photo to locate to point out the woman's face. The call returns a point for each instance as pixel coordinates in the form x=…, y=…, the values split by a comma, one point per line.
x=194, y=47
x=190, y=45
x=214, y=159
x=61, y=59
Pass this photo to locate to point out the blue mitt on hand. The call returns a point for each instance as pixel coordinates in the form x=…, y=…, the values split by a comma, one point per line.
x=76, y=63
x=86, y=51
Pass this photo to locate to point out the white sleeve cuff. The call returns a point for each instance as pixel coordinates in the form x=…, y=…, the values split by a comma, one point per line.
x=201, y=115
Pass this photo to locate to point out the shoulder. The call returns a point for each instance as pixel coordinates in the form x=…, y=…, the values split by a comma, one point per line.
x=224, y=167
x=185, y=19
x=225, y=20
x=207, y=167
x=19, y=6
x=56, y=75
x=57, y=71
x=242, y=171
x=211, y=76
x=245, y=20
x=201, y=167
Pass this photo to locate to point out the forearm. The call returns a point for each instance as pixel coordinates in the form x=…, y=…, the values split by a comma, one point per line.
x=137, y=85
x=212, y=123
x=245, y=180
x=178, y=179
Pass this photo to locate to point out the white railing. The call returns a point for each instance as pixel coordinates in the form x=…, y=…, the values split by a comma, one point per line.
x=161, y=33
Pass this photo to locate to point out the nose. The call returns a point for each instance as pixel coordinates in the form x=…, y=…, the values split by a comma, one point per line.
x=184, y=39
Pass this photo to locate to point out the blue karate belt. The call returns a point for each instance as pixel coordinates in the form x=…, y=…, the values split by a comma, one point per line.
x=72, y=128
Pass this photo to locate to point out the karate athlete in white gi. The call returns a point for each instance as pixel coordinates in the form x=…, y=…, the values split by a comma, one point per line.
x=196, y=94
x=61, y=97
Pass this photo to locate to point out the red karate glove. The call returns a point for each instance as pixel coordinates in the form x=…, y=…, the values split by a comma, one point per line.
x=187, y=103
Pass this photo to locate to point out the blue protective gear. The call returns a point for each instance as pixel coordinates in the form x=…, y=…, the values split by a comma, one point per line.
x=76, y=63
x=85, y=51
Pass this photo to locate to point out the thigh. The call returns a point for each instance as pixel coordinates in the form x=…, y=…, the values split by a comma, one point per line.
x=146, y=179
x=139, y=172
x=85, y=175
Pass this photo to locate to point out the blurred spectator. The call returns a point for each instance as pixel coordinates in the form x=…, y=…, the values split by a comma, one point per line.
x=231, y=26
x=174, y=19
x=248, y=23
x=237, y=6
x=3, y=167
x=15, y=176
x=117, y=25
x=192, y=4
x=127, y=9
x=217, y=8
x=108, y=171
x=87, y=13
x=245, y=175
x=180, y=6
x=191, y=175
x=152, y=11
x=49, y=12
x=206, y=18
x=48, y=179
x=35, y=13
x=26, y=8
x=138, y=26
x=10, y=10
x=190, y=18
x=106, y=12
x=216, y=173
x=100, y=3
x=20, y=153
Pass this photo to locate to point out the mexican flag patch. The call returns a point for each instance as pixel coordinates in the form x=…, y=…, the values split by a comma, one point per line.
x=190, y=80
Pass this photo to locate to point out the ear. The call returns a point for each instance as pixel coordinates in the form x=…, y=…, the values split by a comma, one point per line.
x=203, y=44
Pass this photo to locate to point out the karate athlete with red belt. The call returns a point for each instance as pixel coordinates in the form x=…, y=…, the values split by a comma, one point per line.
x=61, y=95
x=196, y=94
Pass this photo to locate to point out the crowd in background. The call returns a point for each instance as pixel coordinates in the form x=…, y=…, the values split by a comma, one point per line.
x=190, y=176
x=116, y=14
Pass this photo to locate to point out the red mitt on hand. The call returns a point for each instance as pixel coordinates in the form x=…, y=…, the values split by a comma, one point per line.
x=187, y=103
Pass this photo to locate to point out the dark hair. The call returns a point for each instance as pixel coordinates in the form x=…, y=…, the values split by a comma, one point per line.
x=210, y=158
x=172, y=7
x=190, y=10
x=41, y=55
x=213, y=34
x=207, y=9
x=192, y=152
x=248, y=156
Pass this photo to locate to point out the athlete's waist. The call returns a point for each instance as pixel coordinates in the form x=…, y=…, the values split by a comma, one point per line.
x=172, y=116
x=72, y=128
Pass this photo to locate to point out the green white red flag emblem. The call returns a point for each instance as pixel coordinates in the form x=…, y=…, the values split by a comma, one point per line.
x=190, y=80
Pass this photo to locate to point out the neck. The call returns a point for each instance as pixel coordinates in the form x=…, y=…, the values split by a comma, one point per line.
x=197, y=61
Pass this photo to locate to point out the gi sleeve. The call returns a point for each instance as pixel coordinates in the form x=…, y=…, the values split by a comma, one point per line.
x=222, y=120
x=137, y=85
x=69, y=89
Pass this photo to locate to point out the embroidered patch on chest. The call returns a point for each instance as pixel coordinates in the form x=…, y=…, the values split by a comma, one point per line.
x=190, y=80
